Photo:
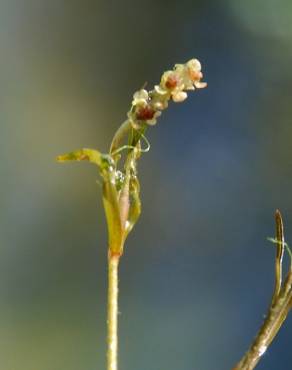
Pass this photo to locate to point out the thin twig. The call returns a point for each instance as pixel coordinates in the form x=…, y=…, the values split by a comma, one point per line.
x=272, y=324
x=279, y=308
x=279, y=254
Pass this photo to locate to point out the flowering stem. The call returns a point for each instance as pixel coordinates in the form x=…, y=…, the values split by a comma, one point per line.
x=112, y=312
x=121, y=188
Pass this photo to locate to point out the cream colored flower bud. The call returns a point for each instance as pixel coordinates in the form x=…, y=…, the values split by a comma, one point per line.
x=194, y=64
x=179, y=97
x=200, y=85
x=140, y=97
x=161, y=105
x=159, y=90
x=141, y=94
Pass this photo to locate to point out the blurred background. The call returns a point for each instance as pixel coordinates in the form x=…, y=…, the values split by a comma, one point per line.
x=197, y=274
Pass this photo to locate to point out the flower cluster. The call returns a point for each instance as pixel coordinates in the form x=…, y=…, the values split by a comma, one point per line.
x=147, y=105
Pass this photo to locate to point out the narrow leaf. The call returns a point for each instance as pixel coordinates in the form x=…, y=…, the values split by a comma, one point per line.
x=112, y=212
x=91, y=155
x=135, y=205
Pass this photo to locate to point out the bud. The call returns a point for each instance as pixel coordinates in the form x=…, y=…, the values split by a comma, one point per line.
x=179, y=96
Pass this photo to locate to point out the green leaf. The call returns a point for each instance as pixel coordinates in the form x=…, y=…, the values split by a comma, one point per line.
x=122, y=207
x=112, y=212
x=110, y=194
x=91, y=155
x=135, y=205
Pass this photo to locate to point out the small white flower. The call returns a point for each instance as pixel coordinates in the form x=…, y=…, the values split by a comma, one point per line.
x=172, y=82
x=140, y=97
x=191, y=74
x=194, y=65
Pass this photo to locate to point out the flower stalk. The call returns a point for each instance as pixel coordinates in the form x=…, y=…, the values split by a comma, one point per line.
x=112, y=312
x=122, y=204
x=120, y=184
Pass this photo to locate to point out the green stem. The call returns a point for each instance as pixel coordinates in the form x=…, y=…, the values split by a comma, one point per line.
x=112, y=312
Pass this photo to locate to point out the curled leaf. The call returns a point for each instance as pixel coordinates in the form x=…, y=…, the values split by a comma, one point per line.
x=135, y=205
x=112, y=213
x=90, y=155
